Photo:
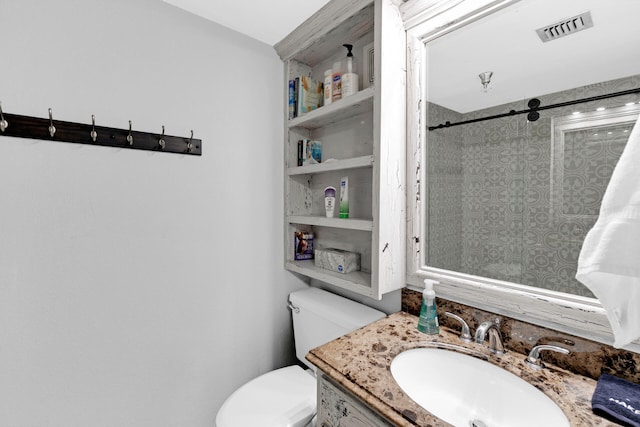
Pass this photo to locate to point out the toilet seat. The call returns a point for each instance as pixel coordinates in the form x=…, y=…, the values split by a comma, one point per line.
x=285, y=397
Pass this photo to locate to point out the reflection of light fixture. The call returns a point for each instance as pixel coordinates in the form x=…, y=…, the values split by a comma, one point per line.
x=485, y=78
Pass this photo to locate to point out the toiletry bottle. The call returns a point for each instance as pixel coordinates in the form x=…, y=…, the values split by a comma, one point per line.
x=350, y=77
x=327, y=86
x=329, y=201
x=428, y=322
x=344, y=197
x=336, y=81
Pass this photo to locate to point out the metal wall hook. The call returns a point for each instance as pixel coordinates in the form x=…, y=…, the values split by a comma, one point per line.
x=161, y=142
x=130, y=137
x=52, y=128
x=190, y=143
x=3, y=123
x=94, y=134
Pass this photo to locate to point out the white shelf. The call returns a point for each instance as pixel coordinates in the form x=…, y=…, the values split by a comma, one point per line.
x=316, y=39
x=365, y=132
x=357, y=281
x=337, y=111
x=321, y=221
x=337, y=165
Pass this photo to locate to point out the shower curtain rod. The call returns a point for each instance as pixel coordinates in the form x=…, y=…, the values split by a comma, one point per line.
x=534, y=107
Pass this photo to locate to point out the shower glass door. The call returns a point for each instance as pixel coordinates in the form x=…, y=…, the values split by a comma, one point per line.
x=511, y=199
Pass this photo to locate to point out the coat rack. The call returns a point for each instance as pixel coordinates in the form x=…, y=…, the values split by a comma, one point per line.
x=79, y=133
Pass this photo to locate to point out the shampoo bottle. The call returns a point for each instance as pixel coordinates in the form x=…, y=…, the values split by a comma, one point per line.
x=428, y=322
x=349, y=78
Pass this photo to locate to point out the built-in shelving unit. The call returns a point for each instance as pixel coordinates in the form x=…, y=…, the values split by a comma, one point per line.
x=363, y=137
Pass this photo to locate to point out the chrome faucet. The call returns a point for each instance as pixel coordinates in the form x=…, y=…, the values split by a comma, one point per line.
x=533, y=360
x=495, y=338
x=465, y=335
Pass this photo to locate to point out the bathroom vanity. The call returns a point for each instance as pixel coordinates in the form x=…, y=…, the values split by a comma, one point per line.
x=356, y=387
x=338, y=407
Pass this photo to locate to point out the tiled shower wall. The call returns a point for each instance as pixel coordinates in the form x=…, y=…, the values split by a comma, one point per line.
x=445, y=177
x=490, y=190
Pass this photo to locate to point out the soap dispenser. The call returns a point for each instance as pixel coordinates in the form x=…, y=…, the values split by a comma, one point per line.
x=349, y=78
x=428, y=322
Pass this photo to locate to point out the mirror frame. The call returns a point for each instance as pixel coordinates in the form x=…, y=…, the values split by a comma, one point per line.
x=585, y=317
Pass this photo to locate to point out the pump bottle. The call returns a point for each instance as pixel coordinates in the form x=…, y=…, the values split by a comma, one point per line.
x=349, y=78
x=428, y=322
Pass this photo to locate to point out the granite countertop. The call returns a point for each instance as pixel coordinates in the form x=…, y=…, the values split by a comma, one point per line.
x=360, y=360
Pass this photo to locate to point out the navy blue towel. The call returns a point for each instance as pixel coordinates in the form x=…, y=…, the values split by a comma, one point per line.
x=617, y=400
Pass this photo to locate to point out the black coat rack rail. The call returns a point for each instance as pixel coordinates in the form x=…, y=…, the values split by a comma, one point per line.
x=79, y=133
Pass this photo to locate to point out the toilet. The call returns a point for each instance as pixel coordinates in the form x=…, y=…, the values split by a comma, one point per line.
x=286, y=397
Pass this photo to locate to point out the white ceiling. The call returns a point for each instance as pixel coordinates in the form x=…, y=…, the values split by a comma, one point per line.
x=505, y=43
x=266, y=20
x=523, y=66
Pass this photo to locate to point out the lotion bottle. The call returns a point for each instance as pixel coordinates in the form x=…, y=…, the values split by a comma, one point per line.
x=329, y=200
x=428, y=322
x=327, y=86
x=336, y=81
x=349, y=78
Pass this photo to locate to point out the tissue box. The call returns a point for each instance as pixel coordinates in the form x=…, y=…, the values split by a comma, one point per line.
x=303, y=245
x=337, y=260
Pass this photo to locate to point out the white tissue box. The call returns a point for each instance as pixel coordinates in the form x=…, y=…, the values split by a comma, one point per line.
x=337, y=260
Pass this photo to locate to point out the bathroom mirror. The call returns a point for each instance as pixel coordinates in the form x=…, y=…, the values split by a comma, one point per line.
x=502, y=187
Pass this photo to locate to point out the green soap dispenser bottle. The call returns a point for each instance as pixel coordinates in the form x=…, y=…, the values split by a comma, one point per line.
x=428, y=322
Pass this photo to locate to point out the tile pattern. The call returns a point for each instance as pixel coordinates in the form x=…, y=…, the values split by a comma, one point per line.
x=490, y=211
x=445, y=230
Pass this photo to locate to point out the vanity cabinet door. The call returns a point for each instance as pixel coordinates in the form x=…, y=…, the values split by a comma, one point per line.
x=338, y=408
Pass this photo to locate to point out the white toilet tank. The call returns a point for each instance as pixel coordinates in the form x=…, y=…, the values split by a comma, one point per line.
x=320, y=316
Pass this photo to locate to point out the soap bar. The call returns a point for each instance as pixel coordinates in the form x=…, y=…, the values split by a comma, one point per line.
x=337, y=260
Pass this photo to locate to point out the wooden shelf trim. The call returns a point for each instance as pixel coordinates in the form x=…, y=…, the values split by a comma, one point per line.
x=337, y=165
x=321, y=221
x=357, y=281
x=342, y=109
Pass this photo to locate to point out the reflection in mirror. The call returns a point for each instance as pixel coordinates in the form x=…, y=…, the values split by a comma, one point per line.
x=491, y=187
x=490, y=182
x=503, y=205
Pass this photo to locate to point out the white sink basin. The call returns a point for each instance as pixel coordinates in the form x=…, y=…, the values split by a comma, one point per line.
x=461, y=389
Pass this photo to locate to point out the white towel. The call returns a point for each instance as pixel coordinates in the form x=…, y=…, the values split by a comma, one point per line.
x=609, y=262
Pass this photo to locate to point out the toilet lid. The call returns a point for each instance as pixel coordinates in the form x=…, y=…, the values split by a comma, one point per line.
x=285, y=397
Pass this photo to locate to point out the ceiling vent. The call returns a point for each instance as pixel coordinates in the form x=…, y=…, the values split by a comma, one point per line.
x=565, y=27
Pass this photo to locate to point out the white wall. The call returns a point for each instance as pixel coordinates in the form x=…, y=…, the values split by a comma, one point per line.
x=138, y=289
